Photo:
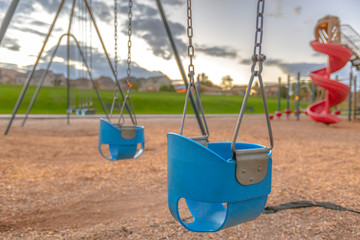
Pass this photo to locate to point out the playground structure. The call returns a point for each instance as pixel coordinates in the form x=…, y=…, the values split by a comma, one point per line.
x=232, y=189
x=302, y=90
x=251, y=162
x=328, y=41
x=296, y=89
x=6, y=22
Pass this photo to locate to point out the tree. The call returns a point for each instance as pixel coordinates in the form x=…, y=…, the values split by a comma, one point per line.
x=165, y=88
x=227, y=82
x=204, y=80
x=135, y=86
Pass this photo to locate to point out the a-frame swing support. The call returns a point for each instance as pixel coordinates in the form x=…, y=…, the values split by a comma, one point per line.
x=29, y=78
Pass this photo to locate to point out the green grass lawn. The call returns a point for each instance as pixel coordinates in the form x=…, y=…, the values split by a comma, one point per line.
x=52, y=100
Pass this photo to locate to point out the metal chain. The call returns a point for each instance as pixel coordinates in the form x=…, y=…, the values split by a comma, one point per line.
x=91, y=54
x=127, y=99
x=198, y=105
x=191, y=49
x=116, y=94
x=258, y=58
x=129, y=44
x=116, y=38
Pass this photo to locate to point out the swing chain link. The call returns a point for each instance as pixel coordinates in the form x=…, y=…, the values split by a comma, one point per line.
x=116, y=94
x=203, y=139
x=258, y=57
x=127, y=98
x=129, y=44
x=116, y=37
x=191, y=49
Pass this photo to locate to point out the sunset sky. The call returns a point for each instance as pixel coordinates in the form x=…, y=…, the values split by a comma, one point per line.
x=223, y=36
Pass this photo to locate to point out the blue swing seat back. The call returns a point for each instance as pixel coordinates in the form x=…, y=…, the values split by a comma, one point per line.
x=83, y=111
x=119, y=147
x=205, y=178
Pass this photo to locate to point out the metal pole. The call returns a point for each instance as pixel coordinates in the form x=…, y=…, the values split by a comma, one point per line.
x=288, y=94
x=279, y=95
x=350, y=96
x=7, y=18
x=27, y=82
x=313, y=92
x=336, y=106
x=91, y=77
x=108, y=58
x=354, y=98
x=36, y=93
x=298, y=97
x=68, y=64
x=179, y=63
x=47, y=70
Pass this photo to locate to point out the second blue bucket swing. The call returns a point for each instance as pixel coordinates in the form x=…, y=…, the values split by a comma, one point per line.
x=124, y=142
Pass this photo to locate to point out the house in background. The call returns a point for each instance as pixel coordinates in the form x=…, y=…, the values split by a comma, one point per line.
x=105, y=83
x=153, y=84
x=8, y=76
x=51, y=79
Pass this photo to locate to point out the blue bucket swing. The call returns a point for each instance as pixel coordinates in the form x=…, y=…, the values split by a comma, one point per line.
x=124, y=141
x=223, y=183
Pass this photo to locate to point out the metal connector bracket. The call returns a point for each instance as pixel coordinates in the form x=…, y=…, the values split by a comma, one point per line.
x=128, y=132
x=251, y=165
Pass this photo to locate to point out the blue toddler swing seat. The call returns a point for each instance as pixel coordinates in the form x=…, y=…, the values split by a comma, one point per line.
x=123, y=141
x=205, y=178
x=224, y=183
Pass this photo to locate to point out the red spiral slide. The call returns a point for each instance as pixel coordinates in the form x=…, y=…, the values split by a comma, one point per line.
x=336, y=92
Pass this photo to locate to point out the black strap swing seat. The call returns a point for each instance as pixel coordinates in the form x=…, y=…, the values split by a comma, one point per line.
x=223, y=183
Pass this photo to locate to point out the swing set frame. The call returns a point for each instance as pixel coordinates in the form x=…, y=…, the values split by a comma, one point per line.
x=6, y=22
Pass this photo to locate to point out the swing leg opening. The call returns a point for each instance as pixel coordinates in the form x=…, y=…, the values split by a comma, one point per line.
x=202, y=216
x=199, y=216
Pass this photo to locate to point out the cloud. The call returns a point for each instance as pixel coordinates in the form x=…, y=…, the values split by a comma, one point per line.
x=226, y=52
x=277, y=11
x=11, y=44
x=174, y=2
x=245, y=61
x=29, y=30
x=139, y=9
x=153, y=32
x=317, y=54
x=297, y=10
x=39, y=23
x=3, y=5
x=294, y=68
x=101, y=66
x=289, y=68
x=9, y=66
x=100, y=9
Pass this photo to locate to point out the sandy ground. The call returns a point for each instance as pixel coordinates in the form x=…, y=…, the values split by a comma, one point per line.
x=55, y=185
